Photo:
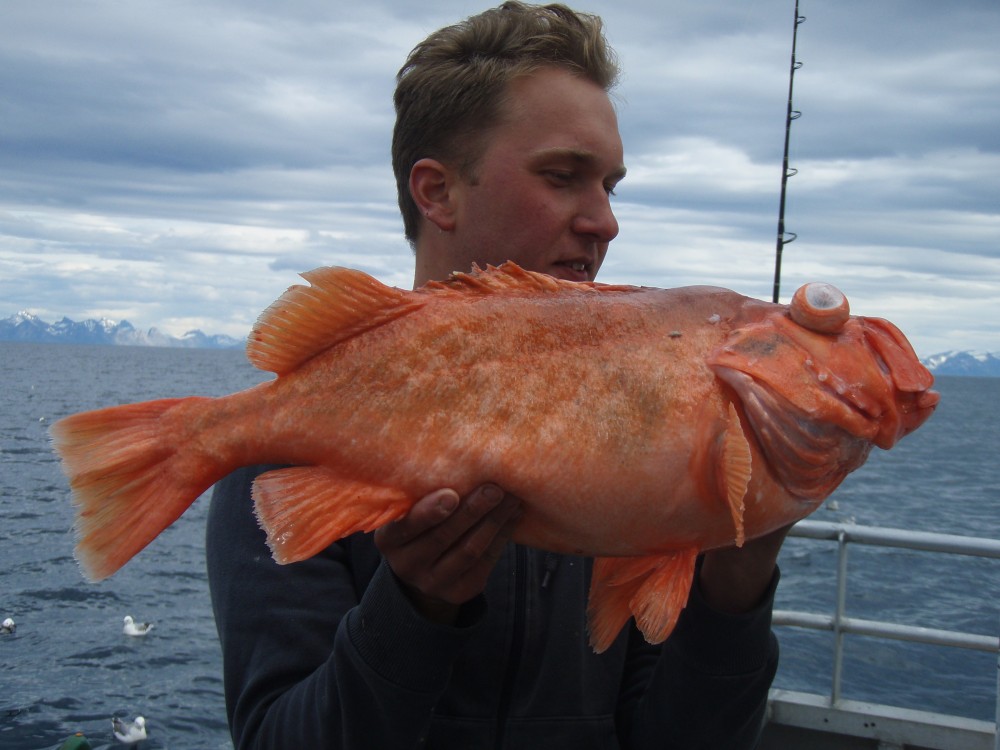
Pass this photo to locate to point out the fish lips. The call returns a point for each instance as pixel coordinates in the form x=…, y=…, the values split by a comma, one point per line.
x=817, y=402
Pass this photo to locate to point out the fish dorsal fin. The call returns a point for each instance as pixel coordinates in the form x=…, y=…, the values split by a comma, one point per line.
x=509, y=278
x=339, y=303
x=734, y=470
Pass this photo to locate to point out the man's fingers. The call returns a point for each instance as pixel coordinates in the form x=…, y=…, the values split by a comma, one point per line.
x=462, y=572
x=478, y=506
x=497, y=523
x=437, y=524
x=427, y=513
x=446, y=547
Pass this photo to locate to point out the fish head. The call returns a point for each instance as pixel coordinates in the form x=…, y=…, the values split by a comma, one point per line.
x=821, y=387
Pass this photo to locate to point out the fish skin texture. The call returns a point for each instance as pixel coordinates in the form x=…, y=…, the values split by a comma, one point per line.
x=638, y=425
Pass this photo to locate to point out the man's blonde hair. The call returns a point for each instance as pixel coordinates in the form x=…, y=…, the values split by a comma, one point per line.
x=450, y=91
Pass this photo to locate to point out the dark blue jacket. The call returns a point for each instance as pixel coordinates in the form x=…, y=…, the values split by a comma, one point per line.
x=329, y=653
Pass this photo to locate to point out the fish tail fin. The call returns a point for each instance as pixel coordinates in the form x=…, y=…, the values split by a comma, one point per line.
x=653, y=589
x=303, y=509
x=128, y=482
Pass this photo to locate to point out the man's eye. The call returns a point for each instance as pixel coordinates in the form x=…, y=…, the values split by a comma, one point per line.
x=609, y=189
x=559, y=177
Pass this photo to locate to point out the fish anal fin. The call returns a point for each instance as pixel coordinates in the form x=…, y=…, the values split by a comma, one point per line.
x=607, y=602
x=735, y=467
x=339, y=303
x=653, y=589
x=304, y=509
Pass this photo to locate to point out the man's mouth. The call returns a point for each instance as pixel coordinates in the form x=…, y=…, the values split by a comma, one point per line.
x=574, y=270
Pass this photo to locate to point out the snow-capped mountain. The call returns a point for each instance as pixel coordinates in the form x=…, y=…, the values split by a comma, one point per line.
x=985, y=365
x=27, y=327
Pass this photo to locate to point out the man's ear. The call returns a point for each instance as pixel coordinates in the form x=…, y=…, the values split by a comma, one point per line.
x=431, y=185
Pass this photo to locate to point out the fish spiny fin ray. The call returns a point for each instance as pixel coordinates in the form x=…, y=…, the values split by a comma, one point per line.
x=128, y=482
x=304, y=509
x=654, y=589
x=735, y=469
x=509, y=278
x=339, y=303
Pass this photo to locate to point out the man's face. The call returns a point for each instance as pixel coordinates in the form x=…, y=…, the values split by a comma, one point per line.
x=540, y=193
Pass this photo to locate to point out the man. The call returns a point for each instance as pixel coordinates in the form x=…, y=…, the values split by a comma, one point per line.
x=435, y=631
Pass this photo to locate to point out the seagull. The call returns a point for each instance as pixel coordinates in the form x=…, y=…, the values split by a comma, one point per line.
x=8, y=626
x=136, y=628
x=129, y=732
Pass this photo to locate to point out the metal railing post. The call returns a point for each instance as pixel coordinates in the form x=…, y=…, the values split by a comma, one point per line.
x=838, y=617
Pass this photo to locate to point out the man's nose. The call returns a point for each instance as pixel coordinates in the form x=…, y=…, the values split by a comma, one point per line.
x=596, y=218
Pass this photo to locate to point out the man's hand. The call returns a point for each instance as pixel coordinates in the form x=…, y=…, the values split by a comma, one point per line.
x=734, y=579
x=444, y=549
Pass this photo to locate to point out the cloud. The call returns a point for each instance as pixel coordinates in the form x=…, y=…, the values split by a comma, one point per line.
x=178, y=164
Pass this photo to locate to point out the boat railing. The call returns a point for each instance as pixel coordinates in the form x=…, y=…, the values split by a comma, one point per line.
x=884, y=727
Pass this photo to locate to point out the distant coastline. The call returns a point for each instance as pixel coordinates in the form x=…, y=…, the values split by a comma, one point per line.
x=27, y=327
x=30, y=328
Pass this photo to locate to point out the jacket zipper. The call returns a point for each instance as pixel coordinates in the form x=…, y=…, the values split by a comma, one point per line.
x=516, y=644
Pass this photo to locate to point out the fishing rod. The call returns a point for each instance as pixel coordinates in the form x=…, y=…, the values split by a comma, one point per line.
x=784, y=237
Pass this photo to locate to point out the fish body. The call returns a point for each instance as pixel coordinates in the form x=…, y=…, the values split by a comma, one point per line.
x=640, y=425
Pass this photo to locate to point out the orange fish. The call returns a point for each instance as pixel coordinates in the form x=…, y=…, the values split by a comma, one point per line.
x=638, y=425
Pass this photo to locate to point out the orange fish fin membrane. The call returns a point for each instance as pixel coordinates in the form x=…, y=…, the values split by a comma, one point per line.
x=735, y=471
x=607, y=604
x=508, y=278
x=128, y=482
x=338, y=304
x=304, y=509
x=653, y=589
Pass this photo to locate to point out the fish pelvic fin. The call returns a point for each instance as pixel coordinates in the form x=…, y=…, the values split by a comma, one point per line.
x=128, y=482
x=653, y=589
x=304, y=509
x=338, y=304
x=734, y=471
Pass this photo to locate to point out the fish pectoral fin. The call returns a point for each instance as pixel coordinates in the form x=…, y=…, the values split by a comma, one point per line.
x=734, y=471
x=653, y=589
x=304, y=509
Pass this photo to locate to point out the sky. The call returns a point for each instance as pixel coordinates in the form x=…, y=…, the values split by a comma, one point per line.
x=178, y=164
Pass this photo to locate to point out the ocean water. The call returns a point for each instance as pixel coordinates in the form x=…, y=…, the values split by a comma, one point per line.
x=68, y=668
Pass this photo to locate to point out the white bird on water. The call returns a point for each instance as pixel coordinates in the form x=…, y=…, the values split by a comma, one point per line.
x=8, y=626
x=134, y=628
x=129, y=732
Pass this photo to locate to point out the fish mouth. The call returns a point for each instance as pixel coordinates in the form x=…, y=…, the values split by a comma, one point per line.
x=817, y=403
x=809, y=456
